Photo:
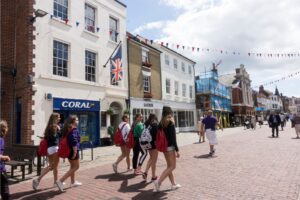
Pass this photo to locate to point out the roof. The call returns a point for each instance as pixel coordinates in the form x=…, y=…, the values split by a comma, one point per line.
x=122, y=4
x=136, y=39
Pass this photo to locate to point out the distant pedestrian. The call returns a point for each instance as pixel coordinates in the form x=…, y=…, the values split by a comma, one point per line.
x=296, y=124
x=282, y=120
x=152, y=125
x=274, y=122
x=52, y=135
x=73, y=136
x=253, y=122
x=125, y=151
x=260, y=121
x=208, y=126
x=137, y=161
x=3, y=158
x=200, y=133
x=167, y=123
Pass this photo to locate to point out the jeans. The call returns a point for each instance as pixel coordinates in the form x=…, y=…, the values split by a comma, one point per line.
x=273, y=130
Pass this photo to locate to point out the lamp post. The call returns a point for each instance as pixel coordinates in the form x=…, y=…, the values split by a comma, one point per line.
x=38, y=13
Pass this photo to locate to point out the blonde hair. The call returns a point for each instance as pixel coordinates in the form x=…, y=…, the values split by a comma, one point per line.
x=165, y=121
x=3, y=128
x=52, y=125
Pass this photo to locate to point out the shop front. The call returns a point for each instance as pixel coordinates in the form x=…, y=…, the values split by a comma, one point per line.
x=88, y=115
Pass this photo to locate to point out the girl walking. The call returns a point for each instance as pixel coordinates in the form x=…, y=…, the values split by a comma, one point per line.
x=125, y=128
x=152, y=125
x=52, y=135
x=167, y=123
x=72, y=133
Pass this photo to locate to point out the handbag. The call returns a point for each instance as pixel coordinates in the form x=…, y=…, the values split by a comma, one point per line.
x=42, y=151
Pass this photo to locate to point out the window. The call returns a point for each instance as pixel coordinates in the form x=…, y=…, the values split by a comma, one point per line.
x=89, y=18
x=175, y=64
x=147, y=83
x=168, y=86
x=145, y=56
x=191, y=91
x=167, y=61
x=183, y=67
x=113, y=28
x=183, y=90
x=60, y=9
x=190, y=69
x=145, y=112
x=90, y=66
x=103, y=119
x=60, y=59
x=176, y=87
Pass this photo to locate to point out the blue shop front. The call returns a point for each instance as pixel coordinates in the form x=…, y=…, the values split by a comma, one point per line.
x=87, y=113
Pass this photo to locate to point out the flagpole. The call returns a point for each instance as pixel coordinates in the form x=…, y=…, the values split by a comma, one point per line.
x=112, y=54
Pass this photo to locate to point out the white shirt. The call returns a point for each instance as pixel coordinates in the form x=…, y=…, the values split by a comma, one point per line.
x=125, y=129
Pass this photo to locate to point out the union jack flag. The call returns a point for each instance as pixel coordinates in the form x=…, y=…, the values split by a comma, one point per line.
x=116, y=66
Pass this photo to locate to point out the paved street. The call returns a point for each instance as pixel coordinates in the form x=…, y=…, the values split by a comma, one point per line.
x=248, y=165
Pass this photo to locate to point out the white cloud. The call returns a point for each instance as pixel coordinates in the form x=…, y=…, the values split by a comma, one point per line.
x=149, y=26
x=238, y=26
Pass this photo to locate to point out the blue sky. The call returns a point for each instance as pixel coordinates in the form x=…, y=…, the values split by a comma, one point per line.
x=228, y=25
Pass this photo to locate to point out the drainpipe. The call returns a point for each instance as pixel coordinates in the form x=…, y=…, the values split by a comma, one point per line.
x=129, y=94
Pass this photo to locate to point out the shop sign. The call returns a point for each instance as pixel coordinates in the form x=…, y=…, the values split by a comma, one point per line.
x=148, y=105
x=75, y=104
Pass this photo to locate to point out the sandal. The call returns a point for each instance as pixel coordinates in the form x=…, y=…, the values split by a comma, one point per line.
x=154, y=178
x=144, y=175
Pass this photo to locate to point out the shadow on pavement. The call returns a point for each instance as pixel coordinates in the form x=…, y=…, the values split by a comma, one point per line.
x=29, y=195
x=205, y=156
x=150, y=195
x=115, y=177
x=134, y=187
x=295, y=138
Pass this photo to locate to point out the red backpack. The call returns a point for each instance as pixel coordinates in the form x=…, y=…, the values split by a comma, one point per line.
x=42, y=151
x=130, y=139
x=161, y=141
x=63, y=148
x=118, y=137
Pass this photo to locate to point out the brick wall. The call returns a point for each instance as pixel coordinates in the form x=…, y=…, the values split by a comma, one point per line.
x=16, y=52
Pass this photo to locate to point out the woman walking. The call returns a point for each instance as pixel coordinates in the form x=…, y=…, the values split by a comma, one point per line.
x=125, y=128
x=73, y=136
x=152, y=125
x=296, y=124
x=167, y=123
x=137, y=131
x=51, y=134
x=4, y=182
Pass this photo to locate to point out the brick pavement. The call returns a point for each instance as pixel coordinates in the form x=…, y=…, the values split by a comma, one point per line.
x=249, y=165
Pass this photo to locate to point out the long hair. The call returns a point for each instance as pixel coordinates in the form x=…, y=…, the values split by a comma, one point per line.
x=3, y=128
x=152, y=118
x=51, y=128
x=165, y=121
x=135, y=118
x=68, y=124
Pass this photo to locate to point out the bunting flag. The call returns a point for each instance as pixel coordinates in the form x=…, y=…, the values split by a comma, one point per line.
x=116, y=66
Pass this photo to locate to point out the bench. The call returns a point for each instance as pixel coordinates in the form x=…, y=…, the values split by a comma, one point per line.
x=22, y=156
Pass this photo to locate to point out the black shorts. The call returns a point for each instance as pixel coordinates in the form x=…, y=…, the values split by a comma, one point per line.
x=71, y=155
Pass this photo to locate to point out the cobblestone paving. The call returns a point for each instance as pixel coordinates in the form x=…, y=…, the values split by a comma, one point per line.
x=248, y=165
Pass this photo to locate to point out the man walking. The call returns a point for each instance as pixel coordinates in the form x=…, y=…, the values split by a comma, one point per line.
x=274, y=122
x=208, y=126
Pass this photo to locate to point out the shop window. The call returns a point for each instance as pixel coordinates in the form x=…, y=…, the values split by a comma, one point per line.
x=103, y=119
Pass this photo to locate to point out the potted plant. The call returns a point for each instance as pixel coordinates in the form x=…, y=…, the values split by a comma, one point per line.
x=110, y=111
x=127, y=111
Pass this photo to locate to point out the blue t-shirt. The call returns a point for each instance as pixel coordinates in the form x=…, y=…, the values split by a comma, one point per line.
x=210, y=122
x=2, y=166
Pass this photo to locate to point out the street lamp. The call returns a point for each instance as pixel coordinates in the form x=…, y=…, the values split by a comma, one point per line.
x=38, y=13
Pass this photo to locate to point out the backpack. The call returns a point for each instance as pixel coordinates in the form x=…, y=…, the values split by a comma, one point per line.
x=63, y=148
x=161, y=141
x=130, y=139
x=42, y=151
x=146, y=138
x=118, y=137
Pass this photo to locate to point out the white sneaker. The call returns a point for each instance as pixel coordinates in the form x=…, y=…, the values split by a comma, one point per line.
x=35, y=184
x=156, y=186
x=115, y=168
x=60, y=185
x=175, y=187
x=54, y=184
x=75, y=184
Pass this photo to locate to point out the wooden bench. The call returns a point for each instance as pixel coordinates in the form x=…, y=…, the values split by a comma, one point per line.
x=22, y=156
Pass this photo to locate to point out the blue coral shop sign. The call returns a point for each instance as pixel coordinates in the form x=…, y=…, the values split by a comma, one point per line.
x=75, y=104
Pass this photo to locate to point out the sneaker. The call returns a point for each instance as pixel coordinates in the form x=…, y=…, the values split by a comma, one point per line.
x=175, y=187
x=129, y=169
x=54, y=184
x=60, y=185
x=144, y=175
x=156, y=186
x=115, y=168
x=75, y=184
x=35, y=184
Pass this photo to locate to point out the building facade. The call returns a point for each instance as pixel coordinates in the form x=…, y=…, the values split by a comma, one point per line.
x=66, y=69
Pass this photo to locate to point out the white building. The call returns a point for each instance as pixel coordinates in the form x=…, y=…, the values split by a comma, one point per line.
x=275, y=103
x=72, y=45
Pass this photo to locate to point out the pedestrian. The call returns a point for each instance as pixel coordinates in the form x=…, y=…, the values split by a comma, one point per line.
x=274, y=122
x=125, y=151
x=296, y=124
x=208, y=126
x=152, y=125
x=3, y=158
x=137, y=131
x=260, y=121
x=73, y=137
x=52, y=135
x=200, y=133
x=167, y=123
x=253, y=122
x=282, y=120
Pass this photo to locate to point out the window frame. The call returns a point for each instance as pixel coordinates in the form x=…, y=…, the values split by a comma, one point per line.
x=88, y=27
x=113, y=30
x=64, y=8
x=91, y=67
x=183, y=89
x=167, y=59
x=191, y=91
x=64, y=59
x=145, y=56
x=147, y=84
x=175, y=64
x=176, y=88
x=168, y=86
x=183, y=67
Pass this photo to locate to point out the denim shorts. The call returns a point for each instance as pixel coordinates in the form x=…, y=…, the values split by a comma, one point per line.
x=170, y=148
